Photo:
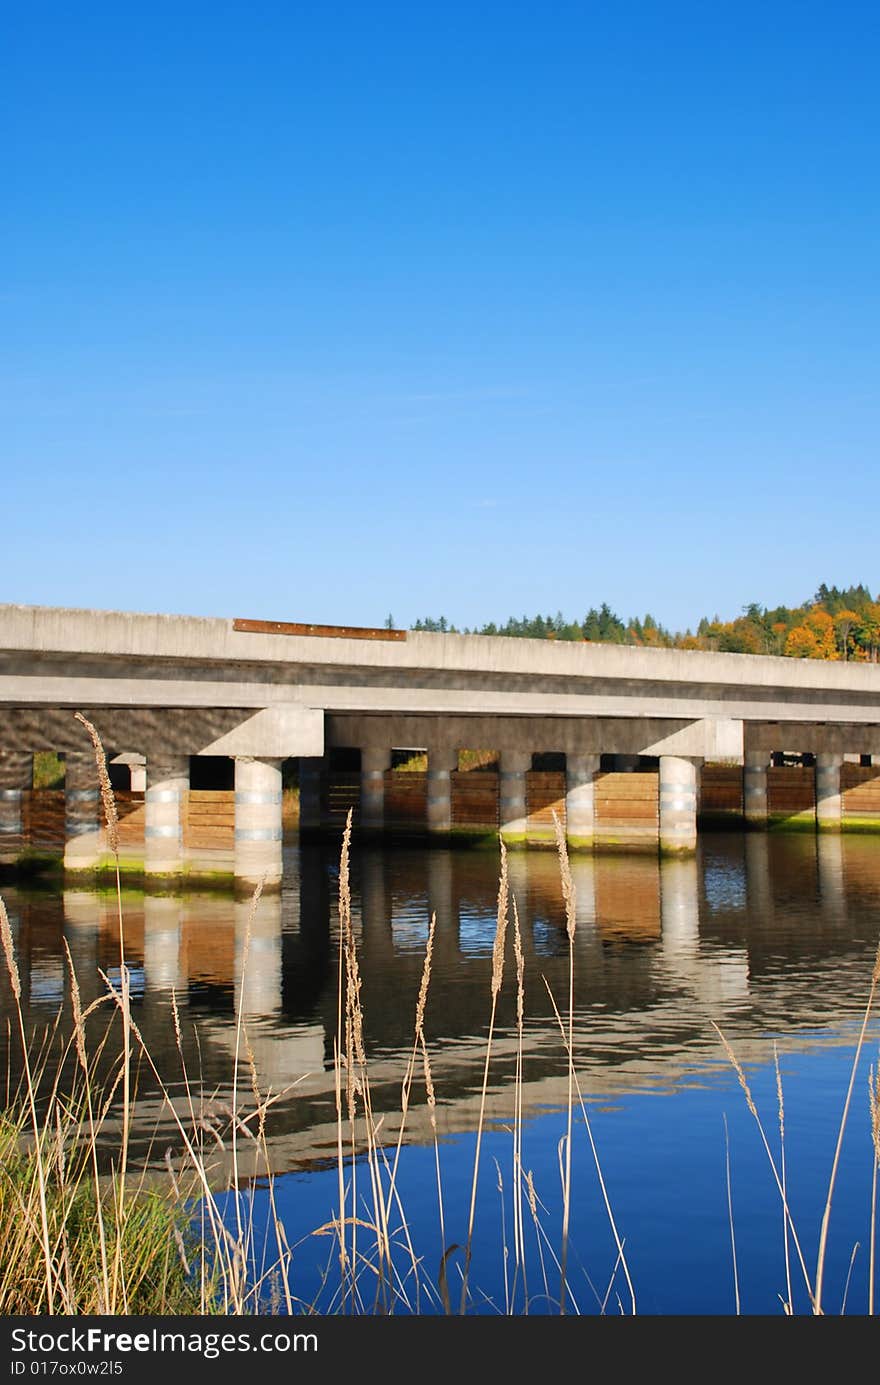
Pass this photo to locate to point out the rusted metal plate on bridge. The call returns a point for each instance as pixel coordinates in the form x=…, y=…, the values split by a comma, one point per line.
x=333, y=632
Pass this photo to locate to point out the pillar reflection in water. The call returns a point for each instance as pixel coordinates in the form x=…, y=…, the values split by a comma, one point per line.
x=832, y=877
x=440, y=903
x=84, y=915
x=162, y=952
x=680, y=911
x=374, y=911
x=258, y=956
x=759, y=890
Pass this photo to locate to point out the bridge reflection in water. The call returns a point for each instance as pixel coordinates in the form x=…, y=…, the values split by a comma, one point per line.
x=766, y=936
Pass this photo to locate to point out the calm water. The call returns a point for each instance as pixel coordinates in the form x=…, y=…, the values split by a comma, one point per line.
x=771, y=938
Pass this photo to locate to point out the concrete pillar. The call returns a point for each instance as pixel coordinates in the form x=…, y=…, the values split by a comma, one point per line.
x=755, y=788
x=309, y=794
x=512, y=797
x=678, y=805
x=138, y=770
x=580, y=800
x=441, y=764
x=698, y=763
x=16, y=777
x=829, y=807
x=374, y=764
x=84, y=839
x=165, y=805
x=162, y=969
x=258, y=822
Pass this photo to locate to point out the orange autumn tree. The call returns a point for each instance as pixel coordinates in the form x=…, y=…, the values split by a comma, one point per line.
x=814, y=638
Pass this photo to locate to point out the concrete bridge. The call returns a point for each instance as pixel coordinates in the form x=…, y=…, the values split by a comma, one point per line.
x=164, y=689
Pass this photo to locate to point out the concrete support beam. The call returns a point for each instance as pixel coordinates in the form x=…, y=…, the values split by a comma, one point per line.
x=165, y=805
x=580, y=800
x=441, y=764
x=310, y=794
x=16, y=777
x=258, y=822
x=755, y=788
x=84, y=839
x=829, y=805
x=374, y=763
x=513, y=812
x=678, y=805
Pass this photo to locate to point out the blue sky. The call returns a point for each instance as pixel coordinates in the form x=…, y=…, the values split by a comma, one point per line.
x=320, y=312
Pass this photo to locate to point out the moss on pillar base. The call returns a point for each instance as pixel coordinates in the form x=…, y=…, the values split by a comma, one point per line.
x=676, y=849
x=792, y=822
x=514, y=841
x=579, y=843
x=860, y=824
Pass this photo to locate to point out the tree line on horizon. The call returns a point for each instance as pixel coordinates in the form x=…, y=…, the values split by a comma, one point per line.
x=836, y=623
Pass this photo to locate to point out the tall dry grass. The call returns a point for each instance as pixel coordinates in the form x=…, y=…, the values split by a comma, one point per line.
x=82, y=1230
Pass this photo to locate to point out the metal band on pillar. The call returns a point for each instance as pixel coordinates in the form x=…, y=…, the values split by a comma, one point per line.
x=441, y=764
x=165, y=806
x=512, y=797
x=84, y=846
x=678, y=805
x=374, y=764
x=580, y=800
x=829, y=809
x=258, y=830
x=755, y=788
x=16, y=777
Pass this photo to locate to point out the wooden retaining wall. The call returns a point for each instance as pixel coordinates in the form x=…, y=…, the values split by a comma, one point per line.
x=475, y=800
x=209, y=820
x=545, y=795
x=406, y=801
x=627, y=810
x=791, y=793
x=721, y=793
x=860, y=790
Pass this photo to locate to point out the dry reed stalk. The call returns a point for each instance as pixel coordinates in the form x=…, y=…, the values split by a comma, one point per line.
x=532, y=1198
x=406, y=1086
x=826, y=1215
x=239, y=1024
x=589, y=1128
x=111, y=818
x=15, y=980
x=497, y=977
x=518, y=1228
x=730, y=1214
x=737, y=1067
x=223, y=1243
x=358, y=1079
x=789, y=1303
x=82, y=1057
x=874, y=1109
x=570, y=898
